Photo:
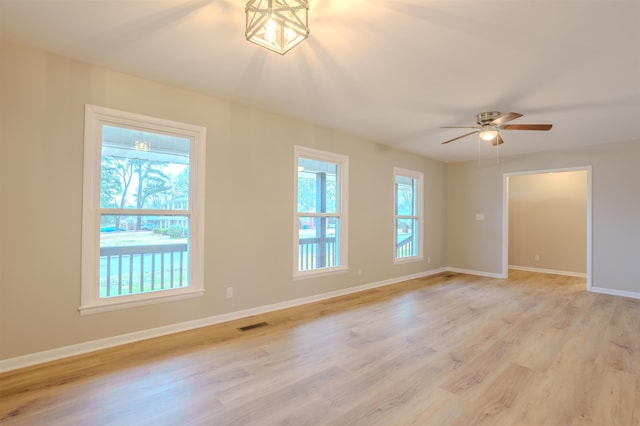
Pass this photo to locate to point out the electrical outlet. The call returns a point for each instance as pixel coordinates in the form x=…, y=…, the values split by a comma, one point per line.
x=536, y=258
x=229, y=292
x=428, y=260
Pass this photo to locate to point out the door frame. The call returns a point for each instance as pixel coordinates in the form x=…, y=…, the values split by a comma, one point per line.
x=505, y=216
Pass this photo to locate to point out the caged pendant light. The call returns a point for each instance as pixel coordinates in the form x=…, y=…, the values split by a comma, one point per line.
x=278, y=25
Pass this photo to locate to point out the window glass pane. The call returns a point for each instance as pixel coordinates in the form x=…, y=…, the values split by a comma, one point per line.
x=142, y=170
x=317, y=186
x=140, y=254
x=318, y=242
x=405, y=196
x=406, y=237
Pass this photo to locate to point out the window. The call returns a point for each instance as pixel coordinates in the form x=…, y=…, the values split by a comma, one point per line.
x=408, y=215
x=143, y=201
x=320, y=242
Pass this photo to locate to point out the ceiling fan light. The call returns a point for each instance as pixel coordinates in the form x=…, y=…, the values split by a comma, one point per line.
x=488, y=133
x=278, y=25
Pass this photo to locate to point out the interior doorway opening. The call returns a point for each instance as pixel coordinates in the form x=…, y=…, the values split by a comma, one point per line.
x=531, y=201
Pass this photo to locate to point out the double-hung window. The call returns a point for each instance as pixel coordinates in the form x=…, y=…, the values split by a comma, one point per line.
x=408, y=215
x=143, y=202
x=320, y=212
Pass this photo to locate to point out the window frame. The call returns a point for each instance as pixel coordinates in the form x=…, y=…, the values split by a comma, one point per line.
x=418, y=177
x=95, y=118
x=342, y=210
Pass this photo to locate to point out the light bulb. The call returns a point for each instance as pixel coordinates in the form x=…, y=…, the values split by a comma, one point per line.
x=487, y=133
x=289, y=34
x=139, y=145
x=270, y=31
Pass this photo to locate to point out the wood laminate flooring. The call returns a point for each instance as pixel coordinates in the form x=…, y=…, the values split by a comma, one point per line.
x=450, y=349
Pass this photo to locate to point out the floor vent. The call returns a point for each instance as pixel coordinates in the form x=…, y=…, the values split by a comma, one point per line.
x=252, y=326
x=450, y=275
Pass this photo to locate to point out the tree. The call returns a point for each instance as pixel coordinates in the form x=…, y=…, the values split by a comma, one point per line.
x=115, y=179
x=308, y=192
x=181, y=184
x=152, y=180
x=130, y=182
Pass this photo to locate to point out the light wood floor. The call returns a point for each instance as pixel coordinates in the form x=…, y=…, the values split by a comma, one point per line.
x=460, y=350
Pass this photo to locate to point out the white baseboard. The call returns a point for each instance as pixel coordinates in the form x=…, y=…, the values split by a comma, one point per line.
x=472, y=272
x=94, y=345
x=613, y=292
x=548, y=271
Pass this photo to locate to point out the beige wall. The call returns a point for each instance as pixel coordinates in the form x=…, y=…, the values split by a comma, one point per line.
x=475, y=187
x=249, y=185
x=248, y=190
x=548, y=219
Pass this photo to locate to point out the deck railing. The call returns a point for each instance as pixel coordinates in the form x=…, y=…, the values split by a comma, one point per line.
x=141, y=269
x=145, y=268
x=404, y=248
x=317, y=253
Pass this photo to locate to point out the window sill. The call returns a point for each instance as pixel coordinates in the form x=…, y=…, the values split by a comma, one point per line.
x=105, y=305
x=320, y=273
x=408, y=260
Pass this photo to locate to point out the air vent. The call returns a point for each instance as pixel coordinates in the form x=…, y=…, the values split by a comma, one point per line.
x=252, y=326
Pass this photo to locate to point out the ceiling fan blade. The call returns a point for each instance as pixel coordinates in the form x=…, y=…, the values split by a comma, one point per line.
x=526, y=126
x=497, y=140
x=460, y=127
x=508, y=116
x=460, y=137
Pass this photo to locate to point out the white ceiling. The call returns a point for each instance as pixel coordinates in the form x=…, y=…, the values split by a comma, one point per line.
x=393, y=71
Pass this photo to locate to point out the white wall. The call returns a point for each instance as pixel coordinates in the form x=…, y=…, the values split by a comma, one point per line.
x=249, y=169
x=475, y=187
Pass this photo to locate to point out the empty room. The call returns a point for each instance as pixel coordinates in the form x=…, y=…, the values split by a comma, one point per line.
x=323, y=212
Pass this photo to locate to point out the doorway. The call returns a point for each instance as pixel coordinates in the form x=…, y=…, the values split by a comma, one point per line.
x=521, y=180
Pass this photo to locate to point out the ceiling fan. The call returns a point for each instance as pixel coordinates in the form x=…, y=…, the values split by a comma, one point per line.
x=490, y=123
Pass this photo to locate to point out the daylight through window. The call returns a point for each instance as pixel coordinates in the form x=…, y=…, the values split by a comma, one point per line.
x=320, y=211
x=408, y=214
x=143, y=193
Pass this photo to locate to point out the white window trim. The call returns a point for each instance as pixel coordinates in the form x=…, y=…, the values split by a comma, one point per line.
x=95, y=117
x=419, y=177
x=342, y=162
